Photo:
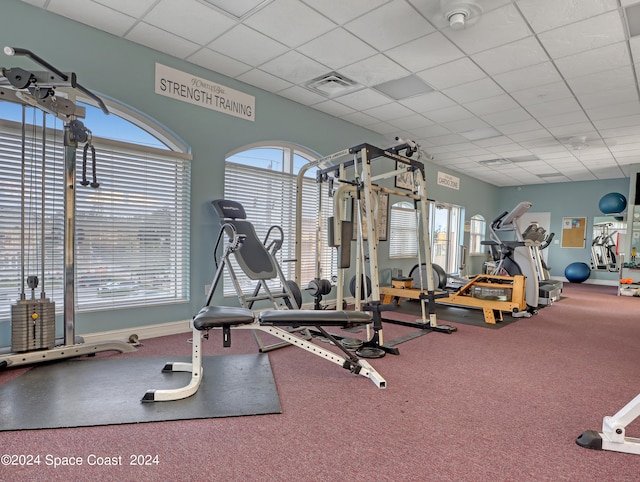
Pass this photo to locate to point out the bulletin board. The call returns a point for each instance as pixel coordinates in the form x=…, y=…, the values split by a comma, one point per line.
x=573, y=232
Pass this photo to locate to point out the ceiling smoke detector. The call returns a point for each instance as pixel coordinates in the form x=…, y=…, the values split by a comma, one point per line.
x=460, y=13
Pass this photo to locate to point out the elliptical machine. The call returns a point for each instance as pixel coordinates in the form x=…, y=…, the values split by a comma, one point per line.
x=549, y=289
x=514, y=257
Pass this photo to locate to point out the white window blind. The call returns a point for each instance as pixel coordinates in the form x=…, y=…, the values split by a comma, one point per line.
x=477, y=233
x=403, y=231
x=132, y=234
x=268, y=196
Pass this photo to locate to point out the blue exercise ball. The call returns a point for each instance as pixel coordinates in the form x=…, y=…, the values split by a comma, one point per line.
x=577, y=272
x=612, y=203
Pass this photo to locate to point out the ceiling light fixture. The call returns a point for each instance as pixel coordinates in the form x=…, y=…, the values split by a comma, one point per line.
x=460, y=13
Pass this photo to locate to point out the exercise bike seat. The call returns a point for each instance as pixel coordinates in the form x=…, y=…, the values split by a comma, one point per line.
x=345, y=319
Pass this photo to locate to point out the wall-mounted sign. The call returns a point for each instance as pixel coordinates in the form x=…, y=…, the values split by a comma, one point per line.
x=195, y=90
x=449, y=181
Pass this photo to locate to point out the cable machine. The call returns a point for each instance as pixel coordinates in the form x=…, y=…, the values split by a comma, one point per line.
x=39, y=89
x=351, y=170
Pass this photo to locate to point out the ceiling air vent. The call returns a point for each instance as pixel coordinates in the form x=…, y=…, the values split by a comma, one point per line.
x=332, y=84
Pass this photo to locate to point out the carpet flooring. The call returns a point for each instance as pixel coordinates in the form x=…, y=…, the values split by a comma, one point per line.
x=473, y=406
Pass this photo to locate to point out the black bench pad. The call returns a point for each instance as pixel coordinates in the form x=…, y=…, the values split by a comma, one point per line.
x=219, y=316
x=313, y=318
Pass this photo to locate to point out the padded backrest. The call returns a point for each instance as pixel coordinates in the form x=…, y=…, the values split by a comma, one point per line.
x=252, y=256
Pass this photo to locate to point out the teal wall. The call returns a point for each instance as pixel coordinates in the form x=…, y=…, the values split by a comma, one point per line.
x=117, y=69
x=124, y=71
x=573, y=199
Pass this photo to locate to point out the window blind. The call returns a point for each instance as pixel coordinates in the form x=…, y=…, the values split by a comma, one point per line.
x=403, y=231
x=268, y=197
x=132, y=234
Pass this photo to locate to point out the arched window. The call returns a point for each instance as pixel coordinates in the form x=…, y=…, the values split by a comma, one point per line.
x=132, y=233
x=263, y=179
x=478, y=227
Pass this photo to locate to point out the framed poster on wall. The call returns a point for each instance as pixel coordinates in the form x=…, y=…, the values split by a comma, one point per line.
x=573, y=232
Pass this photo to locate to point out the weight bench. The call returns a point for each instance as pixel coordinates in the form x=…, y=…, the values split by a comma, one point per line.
x=271, y=322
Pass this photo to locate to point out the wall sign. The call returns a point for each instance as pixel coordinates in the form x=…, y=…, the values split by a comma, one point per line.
x=195, y=90
x=449, y=181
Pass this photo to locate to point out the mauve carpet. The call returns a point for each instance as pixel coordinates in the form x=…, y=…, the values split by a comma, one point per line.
x=475, y=405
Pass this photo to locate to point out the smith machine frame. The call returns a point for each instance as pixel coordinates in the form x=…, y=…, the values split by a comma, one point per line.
x=351, y=170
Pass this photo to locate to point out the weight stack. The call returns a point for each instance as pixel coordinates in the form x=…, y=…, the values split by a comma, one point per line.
x=33, y=325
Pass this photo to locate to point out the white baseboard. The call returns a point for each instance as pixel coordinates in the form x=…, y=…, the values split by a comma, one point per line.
x=142, y=332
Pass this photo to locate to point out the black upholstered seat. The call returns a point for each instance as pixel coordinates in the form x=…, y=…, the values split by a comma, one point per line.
x=314, y=318
x=218, y=316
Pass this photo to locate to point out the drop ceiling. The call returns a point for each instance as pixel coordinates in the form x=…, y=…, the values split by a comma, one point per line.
x=529, y=92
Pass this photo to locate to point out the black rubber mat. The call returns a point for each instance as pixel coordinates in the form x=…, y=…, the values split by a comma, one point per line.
x=455, y=314
x=87, y=392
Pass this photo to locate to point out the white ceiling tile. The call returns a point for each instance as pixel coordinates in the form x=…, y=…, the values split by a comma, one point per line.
x=529, y=135
x=516, y=55
x=493, y=141
x=464, y=125
x=553, y=107
x=383, y=128
x=294, y=67
x=592, y=83
x=374, y=70
x=634, y=43
x=358, y=117
x=412, y=121
x=580, y=129
x=597, y=60
x=451, y=74
x=93, y=14
x=263, y=80
x=447, y=140
x=290, y=22
x=534, y=144
x=245, y=44
x=389, y=111
x=491, y=105
x=432, y=10
x=609, y=97
x=425, y=103
x=218, y=62
x=425, y=52
x=340, y=11
x=337, y=48
x=476, y=90
x=545, y=15
x=363, y=99
x=390, y=25
x=494, y=28
x=539, y=74
x=542, y=93
x=563, y=119
x=429, y=132
x=617, y=122
x=449, y=114
x=609, y=111
x=135, y=9
x=585, y=35
x=155, y=38
x=506, y=117
x=301, y=95
x=189, y=19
